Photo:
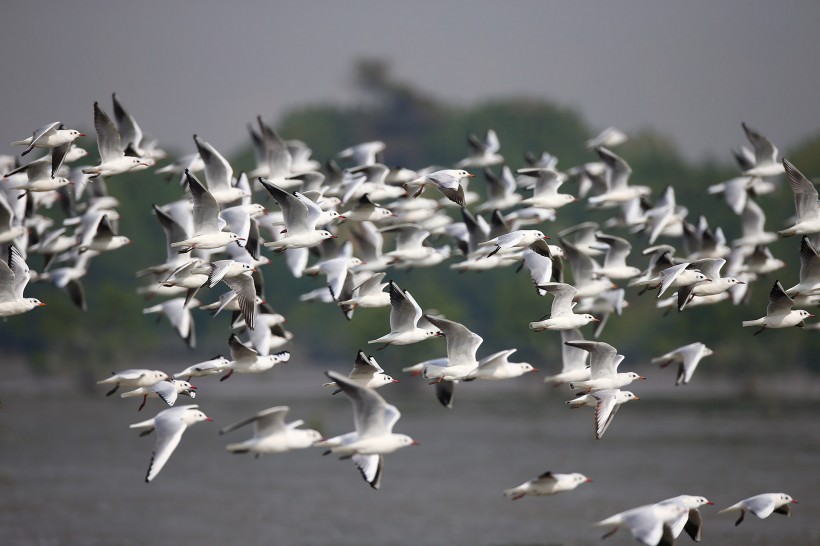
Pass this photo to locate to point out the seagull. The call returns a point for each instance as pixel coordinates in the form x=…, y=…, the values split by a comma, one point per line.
x=497, y=367
x=574, y=360
x=779, y=312
x=688, y=357
x=501, y=190
x=806, y=203
x=208, y=225
x=167, y=390
x=462, y=345
x=366, y=373
x=617, y=249
x=561, y=316
x=716, y=284
x=10, y=228
x=366, y=153
x=40, y=177
x=762, y=506
x=179, y=315
x=112, y=155
x=447, y=181
x=649, y=524
x=49, y=136
x=679, y=275
x=690, y=520
x=609, y=137
x=244, y=359
x=603, y=364
x=548, y=483
x=809, y=271
x=522, y=238
x=374, y=420
x=606, y=403
x=133, y=378
x=545, y=190
x=482, y=154
x=618, y=172
x=99, y=235
x=14, y=276
x=406, y=322
x=170, y=424
x=218, y=174
x=765, y=155
x=216, y=365
x=271, y=434
x=301, y=215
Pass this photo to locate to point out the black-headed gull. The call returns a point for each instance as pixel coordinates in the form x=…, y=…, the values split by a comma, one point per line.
x=765, y=155
x=545, y=189
x=617, y=176
x=39, y=175
x=207, y=232
x=715, y=283
x=603, y=363
x=447, y=181
x=216, y=365
x=245, y=359
x=179, y=315
x=762, y=506
x=365, y=153
x=779, y=312
x=374, y=420
x=806, y=203
x=609, y=137
x=170, y=424
x=809, y=270
x=501, y=192
x=271, y=434
x=14, y=276
x=687, y=358
x=606, y=403
x=482, y=154
x=218, y=174
x=301, y=216
x=167, y=390
x=112, y=155
x=615, y=266
x=367, y=373
x=406, y=322
x=48, y=136
x=649, y=524
x=133, y=378
x=548, y=483
x=561, y=316
x=497, y=367
x=689, y=521
x=573, y=361
x=462, y=345
x=521, y=238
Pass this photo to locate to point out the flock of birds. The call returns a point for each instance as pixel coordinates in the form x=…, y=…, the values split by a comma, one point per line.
x=216, y=233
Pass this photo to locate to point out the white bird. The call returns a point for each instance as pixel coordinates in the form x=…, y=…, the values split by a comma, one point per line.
x=113, y=160
x=482, y=154
x=617, y=249
x=368, y=292
x=10, y=228
x=14, y=276
x=406, y=322
x=271, y=434
x=48, y=136
x=603, y=364
x=753, y=220
x=170, y=424
x=688, y=357
x=168, y=390
x=779, y=312
x=716, y=284
x=606, y=403
x=207, y=232
x=133, y=378
x=806, y=203
x=216, y=365
x=548, y=483
x=365, y=153
x=497, y=367
x=762, y=506
x=374, y=420
x=367, y=373
x=301, y=216
x=179, y=315
x=765, y=155
x=501, y=192
x=521, y=238
x=561, y=316
x=244, y=359
x=99, y=235
x=447, y=181
x=462, y=345
x=573, y=361
x=617, y=173
x=609, y=137
x=679, y=275
x=649, y=524
x=218, y=174
x=690, y=520
x=545, y=189
x=809, y=270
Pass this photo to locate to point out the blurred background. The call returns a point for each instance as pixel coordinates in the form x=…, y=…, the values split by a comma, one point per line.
x=678, y=78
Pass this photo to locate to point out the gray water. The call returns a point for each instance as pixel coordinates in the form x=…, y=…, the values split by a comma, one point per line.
x=71, y=471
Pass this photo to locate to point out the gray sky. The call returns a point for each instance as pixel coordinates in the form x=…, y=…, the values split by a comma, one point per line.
x=692, y=70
